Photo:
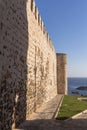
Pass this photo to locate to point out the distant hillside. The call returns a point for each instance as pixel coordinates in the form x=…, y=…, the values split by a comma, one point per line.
x=82, y=88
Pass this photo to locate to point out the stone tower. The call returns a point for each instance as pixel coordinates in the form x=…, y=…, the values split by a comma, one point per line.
x=61, y=73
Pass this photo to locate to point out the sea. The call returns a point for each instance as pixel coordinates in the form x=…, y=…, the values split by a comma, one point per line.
x=74, y=83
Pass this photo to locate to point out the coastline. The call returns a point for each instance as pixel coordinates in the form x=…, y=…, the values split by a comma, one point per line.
x=74, y=83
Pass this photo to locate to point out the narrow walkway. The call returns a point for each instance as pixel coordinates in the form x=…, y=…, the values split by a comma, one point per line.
x=47, y=110
x=42, y=120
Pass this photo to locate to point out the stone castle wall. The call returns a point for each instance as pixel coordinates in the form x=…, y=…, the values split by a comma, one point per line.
x=41, y=61
x=28, y=69
x=13, y=66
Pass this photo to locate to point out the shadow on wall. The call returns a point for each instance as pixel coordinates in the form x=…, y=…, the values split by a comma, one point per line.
x=13, y=68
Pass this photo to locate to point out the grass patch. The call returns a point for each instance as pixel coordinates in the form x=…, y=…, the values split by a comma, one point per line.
x=71, y=106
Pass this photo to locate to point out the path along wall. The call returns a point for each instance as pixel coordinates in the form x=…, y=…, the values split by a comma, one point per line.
x=27, y=62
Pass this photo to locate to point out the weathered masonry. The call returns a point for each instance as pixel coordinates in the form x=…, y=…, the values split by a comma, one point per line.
x=61, y=73
x=30, y=71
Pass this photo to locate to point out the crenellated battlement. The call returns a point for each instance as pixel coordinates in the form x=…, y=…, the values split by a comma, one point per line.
x=37, y=16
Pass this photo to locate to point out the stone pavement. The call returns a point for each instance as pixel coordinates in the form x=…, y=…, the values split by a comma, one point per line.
x=48, y=110
x=42, y=119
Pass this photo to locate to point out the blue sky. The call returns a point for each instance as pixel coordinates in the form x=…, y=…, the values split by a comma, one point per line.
x=66, y=23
